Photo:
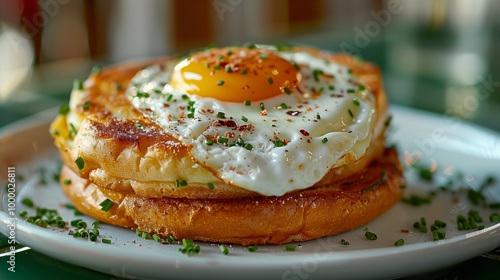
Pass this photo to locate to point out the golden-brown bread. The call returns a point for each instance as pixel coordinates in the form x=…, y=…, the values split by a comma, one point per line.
x=297, y=216
x=137, y=167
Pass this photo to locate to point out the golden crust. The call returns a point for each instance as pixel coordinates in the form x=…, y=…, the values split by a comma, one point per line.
x=297, y=216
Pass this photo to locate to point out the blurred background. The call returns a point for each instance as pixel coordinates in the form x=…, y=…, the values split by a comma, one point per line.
x=436, y=55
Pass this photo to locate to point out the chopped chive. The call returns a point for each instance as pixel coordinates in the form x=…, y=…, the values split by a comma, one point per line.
x=494, y=217
x=190, y=115
x=361, y=87
x=170, y=239
x=106, y=241
x=344, y=242
x=222, y=140
x=248, y=146
x=250, y=46
x=324, y=140
x=287, y=90
x=86, y=105
x=77, y=84
x=296, y=66
x=350, y=113
x=278, y=143
x=27, y=202
x=23, y=213
x=142, y=94
x=67, y=182
x=370, y=235
x=316, y=74
x=156, y=237
x=185, y=97
x=80, y=163
x=262, y=107
x=495, y=205
x=318, y=117
x=331, y=87
x=422, y=229
x=252, y=248
x=183, y=183
x=356, y=102
x=399, y=242
x=189, y=247
x=228, y=69
x=240, y=142
x=72, y=130
x=290, y=248
x=209, y=142
x=351, y=90
x=284, y=106
x=211, y=186
x=106, y=205
x=247, y=102
x=270, y=80
x=221, y=115
x=217, y=67
x=169, y=97
x=263, y=56
x=220, y=82
x=223, y=249
x=64, y=109
x=243, y=118
x=244, y=71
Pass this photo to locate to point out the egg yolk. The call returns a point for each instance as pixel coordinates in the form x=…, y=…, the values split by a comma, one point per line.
x=235, y=74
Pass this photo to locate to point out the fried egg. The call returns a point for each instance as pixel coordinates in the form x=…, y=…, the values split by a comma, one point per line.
x=264, y=120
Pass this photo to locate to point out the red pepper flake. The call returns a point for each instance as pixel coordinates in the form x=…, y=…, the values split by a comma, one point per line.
x=405, y=230
x=226, y=123
x=303, y=132
x=245, y=127
x=293, y=113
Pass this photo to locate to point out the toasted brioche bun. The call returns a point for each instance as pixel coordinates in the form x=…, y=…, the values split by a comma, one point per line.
x=137, y=169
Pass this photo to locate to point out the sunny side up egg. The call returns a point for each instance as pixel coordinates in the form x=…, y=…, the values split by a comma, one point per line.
x=264, y=120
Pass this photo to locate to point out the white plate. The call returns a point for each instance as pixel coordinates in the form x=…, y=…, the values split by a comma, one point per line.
x=453, y=145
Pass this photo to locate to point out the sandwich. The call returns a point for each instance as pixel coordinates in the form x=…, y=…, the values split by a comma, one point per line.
x=252, y=144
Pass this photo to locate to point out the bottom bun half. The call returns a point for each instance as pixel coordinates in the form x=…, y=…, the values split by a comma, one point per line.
x=297, y=216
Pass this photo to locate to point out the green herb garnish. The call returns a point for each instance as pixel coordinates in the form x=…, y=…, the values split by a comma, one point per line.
x=290, y=248
x=64, y=109
x=370, y=235
x=80, y=163
x=252, y=248
x=28, y=202
x=223, y=249
x=106, y=205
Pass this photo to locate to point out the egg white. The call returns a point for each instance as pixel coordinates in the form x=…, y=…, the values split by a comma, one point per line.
x=316, y=130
